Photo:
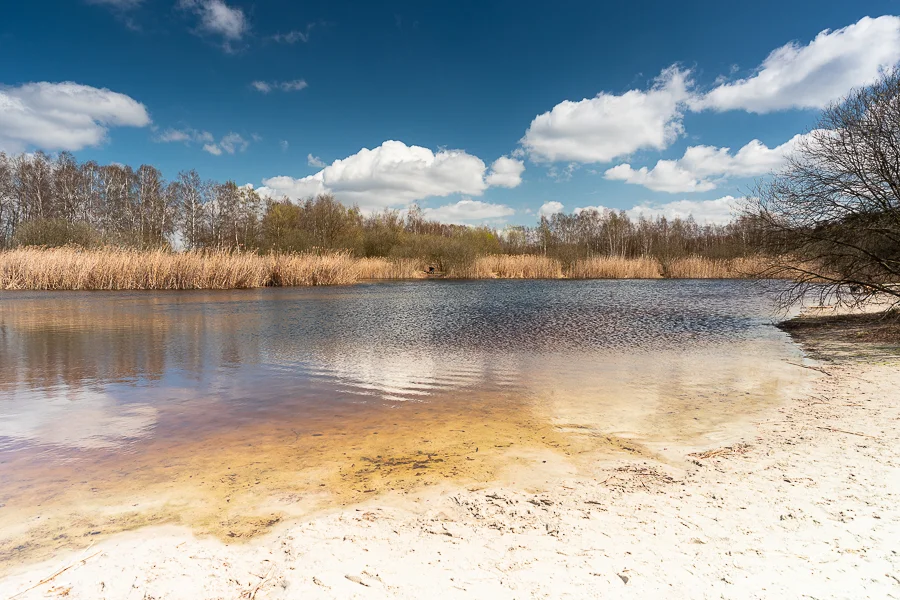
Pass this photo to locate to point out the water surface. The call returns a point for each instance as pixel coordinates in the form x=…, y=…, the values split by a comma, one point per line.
x=230, y=410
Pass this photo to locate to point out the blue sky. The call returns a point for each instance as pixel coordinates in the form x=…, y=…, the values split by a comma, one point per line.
x=576, y=97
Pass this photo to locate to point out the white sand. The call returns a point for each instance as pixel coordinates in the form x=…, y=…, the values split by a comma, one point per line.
x=808, y=511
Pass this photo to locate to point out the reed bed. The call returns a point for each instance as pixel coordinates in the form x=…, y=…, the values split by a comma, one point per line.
x=337, y=268
x=390, y=268
x=615, y=267
x=698, y=267
x=122, y=269
x=508, y=266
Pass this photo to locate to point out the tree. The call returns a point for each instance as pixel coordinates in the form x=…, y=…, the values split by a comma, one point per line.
x=191, y=195
x=831, y=218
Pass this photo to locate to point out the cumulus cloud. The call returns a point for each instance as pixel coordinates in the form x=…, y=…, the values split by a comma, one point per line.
x=811, y=76
x=218, y=19
x=63, y=116
x=392, y=174
x=548, y=209
x=607, y=126
x=285, y=86
x=468, y=210
x=314, y=161
x=506, y=172
x=703, y=167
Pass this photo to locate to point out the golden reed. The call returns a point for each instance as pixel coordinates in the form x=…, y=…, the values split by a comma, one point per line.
x=119, y=269
x=122, y=269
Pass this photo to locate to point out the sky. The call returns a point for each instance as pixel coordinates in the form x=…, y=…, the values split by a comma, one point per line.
x=480, y=112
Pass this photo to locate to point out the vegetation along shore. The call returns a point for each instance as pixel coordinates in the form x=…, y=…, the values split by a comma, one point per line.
x=128, y=269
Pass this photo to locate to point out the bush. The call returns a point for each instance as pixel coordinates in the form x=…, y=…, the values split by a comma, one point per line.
x=53, y=233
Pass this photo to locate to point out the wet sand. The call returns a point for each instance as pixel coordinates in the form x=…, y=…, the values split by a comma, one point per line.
x=799, y=500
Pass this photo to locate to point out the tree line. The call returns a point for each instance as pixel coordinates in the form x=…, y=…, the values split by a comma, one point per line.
x=56, y=200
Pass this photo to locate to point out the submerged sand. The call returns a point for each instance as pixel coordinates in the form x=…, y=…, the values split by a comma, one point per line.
x=801, y=503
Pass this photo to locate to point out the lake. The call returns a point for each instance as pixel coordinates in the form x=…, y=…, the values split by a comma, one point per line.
x=230, y=411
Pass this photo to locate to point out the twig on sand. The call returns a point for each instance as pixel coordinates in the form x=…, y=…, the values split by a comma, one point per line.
x=251, y=593
x=80, y=561
x=736, y=449
x=836, y=430
x=819, y=369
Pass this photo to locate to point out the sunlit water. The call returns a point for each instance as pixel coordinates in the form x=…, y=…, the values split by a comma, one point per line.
x=227, y=411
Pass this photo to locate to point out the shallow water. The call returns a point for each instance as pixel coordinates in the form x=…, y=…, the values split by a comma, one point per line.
x=227, y=411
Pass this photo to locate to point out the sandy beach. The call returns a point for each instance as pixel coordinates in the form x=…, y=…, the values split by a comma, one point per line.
x=801, y=503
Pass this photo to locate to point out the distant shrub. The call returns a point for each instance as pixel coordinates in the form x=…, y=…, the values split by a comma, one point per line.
x=53, y=233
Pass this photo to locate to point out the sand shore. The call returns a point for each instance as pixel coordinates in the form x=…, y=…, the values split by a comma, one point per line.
x=804, y=503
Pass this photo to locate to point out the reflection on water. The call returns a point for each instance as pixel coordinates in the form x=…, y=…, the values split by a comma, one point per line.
x=112, y=385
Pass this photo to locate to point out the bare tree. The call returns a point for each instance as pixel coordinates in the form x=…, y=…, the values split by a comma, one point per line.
x=831, y=218
x=192, y=193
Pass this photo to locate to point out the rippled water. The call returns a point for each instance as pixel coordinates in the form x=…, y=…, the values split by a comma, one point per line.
x=121, y=383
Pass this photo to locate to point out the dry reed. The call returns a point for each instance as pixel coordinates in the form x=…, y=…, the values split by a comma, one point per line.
x=615, y=267
x=385, y=268
x=120, y=269
x=523, y=266
x=698, y=267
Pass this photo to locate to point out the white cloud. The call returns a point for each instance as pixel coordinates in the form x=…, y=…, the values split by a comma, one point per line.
x=392, y=174
x=314, y=161
x=293, y=86
x=548, y=209
x=229, y=144
x=285, y=86
x=284, y=145
x=607, y=126
x=703, y=167
x=468, y=210
x=666, y=176
x=292, y=37
x=63, y=116
x=217, y=18
x=233, y=142
x=811, y=76
x=564, y=174
x=719, y=211
x=185, y=136
x=506, y=172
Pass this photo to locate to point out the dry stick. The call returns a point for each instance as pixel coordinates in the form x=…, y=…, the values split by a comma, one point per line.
x=57, y=574
x=819, y=369
x=835, y=429
x=251, y=594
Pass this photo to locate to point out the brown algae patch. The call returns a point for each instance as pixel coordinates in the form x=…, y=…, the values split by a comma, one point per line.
x=238, y=484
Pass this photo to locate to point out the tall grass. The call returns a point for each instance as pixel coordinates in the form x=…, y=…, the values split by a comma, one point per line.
x=122, y=269
x=698, y=267
x=390, y=268
x=615, y=267
x=508, y=266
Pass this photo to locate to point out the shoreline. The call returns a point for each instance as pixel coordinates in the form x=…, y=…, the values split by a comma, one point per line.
x=801, y=503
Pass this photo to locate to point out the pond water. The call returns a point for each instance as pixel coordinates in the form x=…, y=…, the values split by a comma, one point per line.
x=228, y=411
